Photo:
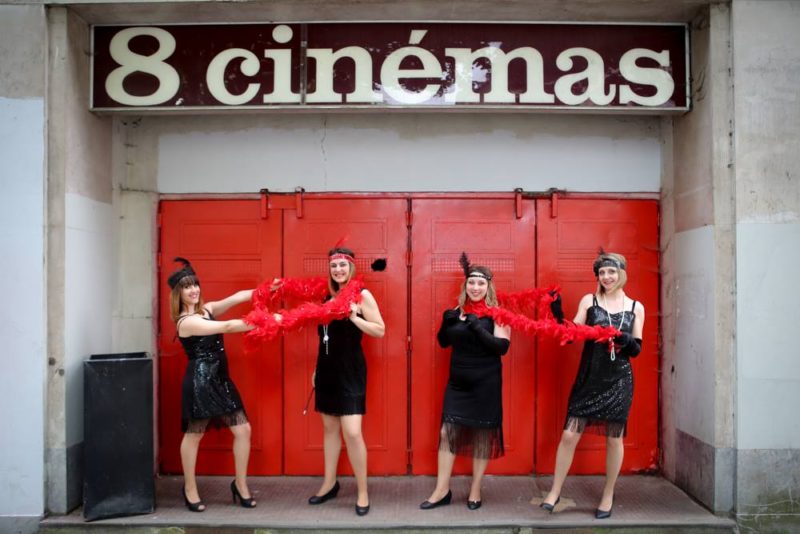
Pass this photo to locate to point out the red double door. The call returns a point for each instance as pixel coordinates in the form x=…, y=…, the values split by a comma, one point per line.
x=236, y=244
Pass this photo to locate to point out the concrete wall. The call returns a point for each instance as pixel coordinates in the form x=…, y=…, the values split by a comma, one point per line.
x=698, y=379
x=22, y=229
x=81, y=259
x=767, y=114
x=405, y=152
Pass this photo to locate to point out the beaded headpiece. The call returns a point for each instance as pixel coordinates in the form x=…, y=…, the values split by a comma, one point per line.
x=471, y=271
x=606, y=261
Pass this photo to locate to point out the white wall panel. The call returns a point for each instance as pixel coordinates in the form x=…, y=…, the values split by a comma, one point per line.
x=407, y=152
x=23, y=318
x=768, y=368
x=694, y=335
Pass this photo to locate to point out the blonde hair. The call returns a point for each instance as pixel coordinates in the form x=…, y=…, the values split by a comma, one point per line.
x=623, y=274
x=176, y=305
x=491, y=293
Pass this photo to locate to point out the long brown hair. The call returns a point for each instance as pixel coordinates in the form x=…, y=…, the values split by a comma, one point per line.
x=491, y=293
x=176, y=305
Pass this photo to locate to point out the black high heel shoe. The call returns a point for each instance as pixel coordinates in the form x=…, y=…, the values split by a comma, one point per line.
x=246, y=503
x=603, y=514
x=550, y=507
x=319, y=499
x=428, y=505
x=474, y=505
x=362, y=510
x=198, y=506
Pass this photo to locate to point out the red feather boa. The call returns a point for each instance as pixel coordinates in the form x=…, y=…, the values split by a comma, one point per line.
x=307, y=313
x=513, y=310
x=566, y=332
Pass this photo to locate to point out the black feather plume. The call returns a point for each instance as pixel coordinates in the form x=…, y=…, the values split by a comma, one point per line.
x=464, y=261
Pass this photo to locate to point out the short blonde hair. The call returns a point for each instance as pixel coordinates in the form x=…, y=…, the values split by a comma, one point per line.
x=621, y=264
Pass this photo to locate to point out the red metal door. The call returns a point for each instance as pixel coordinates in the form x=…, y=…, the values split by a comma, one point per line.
x=569, y=233
x=231, y=248
x=376, y=228
x=491, y=232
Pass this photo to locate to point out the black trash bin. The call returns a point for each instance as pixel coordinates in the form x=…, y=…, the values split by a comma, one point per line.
x=118, y=435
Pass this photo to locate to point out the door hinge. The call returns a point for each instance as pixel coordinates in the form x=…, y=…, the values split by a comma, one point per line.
x=264, y=203
x=408, y=345
x=409, y=258
x=298, y=201
x=554, y=204
x=409, y=219
x=518, y=202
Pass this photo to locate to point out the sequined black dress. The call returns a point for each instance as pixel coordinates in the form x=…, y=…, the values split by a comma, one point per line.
x=472, y=414
x=601, y=395
x=341, y=378
x=208, y=394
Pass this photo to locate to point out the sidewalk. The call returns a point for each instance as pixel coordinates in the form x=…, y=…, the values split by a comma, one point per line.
x=510, y=504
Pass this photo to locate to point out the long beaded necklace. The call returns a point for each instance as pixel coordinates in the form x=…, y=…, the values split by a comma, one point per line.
x=325, y=337
x=611, y=324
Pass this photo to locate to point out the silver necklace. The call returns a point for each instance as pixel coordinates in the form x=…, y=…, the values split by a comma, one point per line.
x=325, y=337
x=621, y=318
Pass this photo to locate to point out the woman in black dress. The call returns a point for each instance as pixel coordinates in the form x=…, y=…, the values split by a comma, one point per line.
x=601, y=395
x=340, y=379
x=472, y=414
x=209, y=397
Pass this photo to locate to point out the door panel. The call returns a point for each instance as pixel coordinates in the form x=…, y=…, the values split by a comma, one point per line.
x=230, y=247
x=376, y=228
x=490, y=233
x=569, y=235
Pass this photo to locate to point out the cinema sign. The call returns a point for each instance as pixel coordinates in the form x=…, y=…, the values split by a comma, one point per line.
x=586, y=67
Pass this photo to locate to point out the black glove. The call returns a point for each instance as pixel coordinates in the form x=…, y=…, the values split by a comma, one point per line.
x=449, y=317
x=495, y=345
x=555, y=307
x=628, y=345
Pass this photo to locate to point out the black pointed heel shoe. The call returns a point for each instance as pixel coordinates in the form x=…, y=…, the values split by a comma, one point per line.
x=246, y=503
x=603, y=514
x=319, y=499
x=362, y=510
x=198, y=506
x=550, y=507
x=474, y=505
x=428, y=505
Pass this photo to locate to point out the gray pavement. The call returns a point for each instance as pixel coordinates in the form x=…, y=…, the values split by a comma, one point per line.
x=510, y=503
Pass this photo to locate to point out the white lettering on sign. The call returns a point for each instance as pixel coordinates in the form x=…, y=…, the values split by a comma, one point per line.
x=408, y=75
x=130, y=62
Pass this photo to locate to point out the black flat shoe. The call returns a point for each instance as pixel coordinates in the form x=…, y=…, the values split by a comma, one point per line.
x=319, y=499
x=473, y=505
x=362, y=510
x=428, y=505
x=603, y=514
x=198, y=506
x=246, y=503
x=550, y=507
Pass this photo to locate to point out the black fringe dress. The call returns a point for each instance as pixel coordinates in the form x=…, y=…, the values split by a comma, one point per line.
x=208, y=393
x=603, y=390
x=472, y=415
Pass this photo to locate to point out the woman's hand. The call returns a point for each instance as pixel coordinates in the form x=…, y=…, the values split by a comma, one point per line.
x=278, y=317
x=354, y=310
x=276, y=284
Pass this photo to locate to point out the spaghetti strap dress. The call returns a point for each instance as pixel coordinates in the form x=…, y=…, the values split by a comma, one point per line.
x=601, y=396
x=209, y=396
x=341, y=372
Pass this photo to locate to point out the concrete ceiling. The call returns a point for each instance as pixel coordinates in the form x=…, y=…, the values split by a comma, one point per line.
x=150, y=12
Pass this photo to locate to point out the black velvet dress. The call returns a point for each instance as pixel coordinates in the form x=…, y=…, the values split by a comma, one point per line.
x=208, y=394
x=603, y=390
x=341, y=377
x=472, y=414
